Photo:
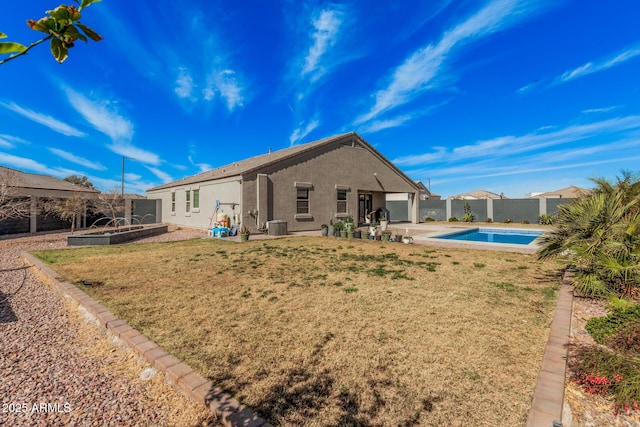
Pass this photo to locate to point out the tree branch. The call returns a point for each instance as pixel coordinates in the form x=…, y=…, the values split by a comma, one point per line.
x=24, y=52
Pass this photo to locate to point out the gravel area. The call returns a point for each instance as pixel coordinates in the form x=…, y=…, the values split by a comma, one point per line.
x=56, y=370
x=587, y=410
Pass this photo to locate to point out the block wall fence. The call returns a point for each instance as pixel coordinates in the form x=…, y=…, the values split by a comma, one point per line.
x=498, y=210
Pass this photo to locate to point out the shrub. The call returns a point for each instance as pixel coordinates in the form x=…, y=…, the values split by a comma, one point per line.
x=507, y=221
x=524, y=221
x=601, y=328
x=453, y=219
x=468, y=216
x=428, y=219
x=601, y=371
x=626, y=340
x=545, y=219
x=489, y=220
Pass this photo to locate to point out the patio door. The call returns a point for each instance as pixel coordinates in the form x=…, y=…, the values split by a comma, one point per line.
x=365, y=204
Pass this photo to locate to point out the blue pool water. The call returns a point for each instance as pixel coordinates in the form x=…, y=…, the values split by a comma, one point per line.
x=494, y=235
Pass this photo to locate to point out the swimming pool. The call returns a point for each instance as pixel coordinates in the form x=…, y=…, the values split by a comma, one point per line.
x=494, y=235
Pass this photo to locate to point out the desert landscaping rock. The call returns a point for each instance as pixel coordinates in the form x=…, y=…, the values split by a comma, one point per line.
x=57, y=371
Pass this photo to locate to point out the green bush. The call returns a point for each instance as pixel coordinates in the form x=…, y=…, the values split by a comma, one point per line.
x=453, y=219
x=428, y=219
x=601, y=328
x=626, y=340
x=468, y=217
x=545, y=219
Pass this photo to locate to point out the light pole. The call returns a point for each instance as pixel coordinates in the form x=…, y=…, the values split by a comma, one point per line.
x=122, y=190
x=122, y=193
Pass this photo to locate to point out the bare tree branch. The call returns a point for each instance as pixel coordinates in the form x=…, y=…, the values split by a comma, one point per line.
x=11, y=204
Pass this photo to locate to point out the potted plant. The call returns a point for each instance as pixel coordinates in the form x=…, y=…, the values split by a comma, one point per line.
x=349, y=227
x=339, y=227
x=384, y=223
x=244, y=233
x=324, y=228
x=407, y=240
x=330, y=229
x=372, y=230
x=357, y=234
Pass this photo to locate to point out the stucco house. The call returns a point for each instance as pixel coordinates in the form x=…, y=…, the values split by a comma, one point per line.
x=305, y=186
x=571, y=192
x=477, y=195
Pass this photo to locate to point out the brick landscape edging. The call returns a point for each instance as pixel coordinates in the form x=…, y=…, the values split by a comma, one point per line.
x=198, y=389
x=548, y=396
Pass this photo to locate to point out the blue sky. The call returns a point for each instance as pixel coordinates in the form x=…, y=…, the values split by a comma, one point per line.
x=510, y=96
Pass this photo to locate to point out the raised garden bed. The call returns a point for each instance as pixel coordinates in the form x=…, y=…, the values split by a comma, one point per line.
x=115, y=236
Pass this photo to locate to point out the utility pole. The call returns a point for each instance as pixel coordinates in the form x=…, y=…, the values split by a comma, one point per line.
x=122, y=192
x=129, y=158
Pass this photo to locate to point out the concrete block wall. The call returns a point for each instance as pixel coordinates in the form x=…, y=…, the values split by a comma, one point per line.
x=517, y=210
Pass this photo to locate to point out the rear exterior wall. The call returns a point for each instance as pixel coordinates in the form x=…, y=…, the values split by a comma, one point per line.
x=323, y=172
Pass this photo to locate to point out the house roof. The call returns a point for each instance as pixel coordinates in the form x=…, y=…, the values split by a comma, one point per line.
x=571, y=192
x=424, y=189
x=19, y=179
x=477, y=195
x=258, y=162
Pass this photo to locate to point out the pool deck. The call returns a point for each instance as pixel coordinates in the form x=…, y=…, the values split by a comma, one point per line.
x=426, y=234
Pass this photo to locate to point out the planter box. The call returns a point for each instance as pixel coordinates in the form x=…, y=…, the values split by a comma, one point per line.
x=113, y=237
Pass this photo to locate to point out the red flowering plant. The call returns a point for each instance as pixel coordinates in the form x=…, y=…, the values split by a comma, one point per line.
x=609, y=373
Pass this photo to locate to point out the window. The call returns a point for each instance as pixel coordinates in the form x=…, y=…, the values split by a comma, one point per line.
x=302, y=201
x=196, y=199
x=187, y=207
x=342, y=201
x=173, y=202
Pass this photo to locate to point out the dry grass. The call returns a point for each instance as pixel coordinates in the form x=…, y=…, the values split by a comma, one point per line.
x=320, y=331
x=156, y=392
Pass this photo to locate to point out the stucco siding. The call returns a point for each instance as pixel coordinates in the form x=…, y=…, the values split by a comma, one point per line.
x=228, y=192
x=323, y=172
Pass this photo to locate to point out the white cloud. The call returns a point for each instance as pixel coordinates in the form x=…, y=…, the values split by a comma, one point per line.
x=226, y=82
x=421, y=70
x=77, y=160
x=134, y=153
x=439, y=153
x=202, y=166
x=9, y=141
x=303, y=130
x=327, y=27
x=25, y=164
x=48, y=121
x=378, y=125
x=507, y=145
x=102, y=115
x=105, y=117
x=401, y=120
x=599, y=110
x=164, y=177
x=602, y=65
x=184, y=84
